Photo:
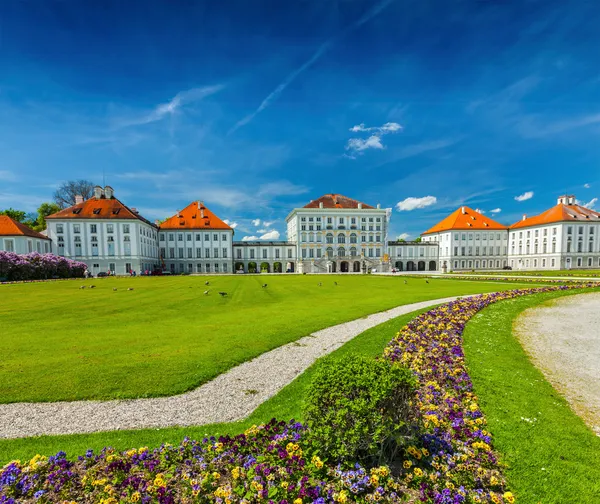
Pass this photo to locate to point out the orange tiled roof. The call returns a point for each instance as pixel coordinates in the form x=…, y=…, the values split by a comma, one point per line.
x=336, y=201
x=99, y=208
x=10, y=227
x=465, y=218
x=194, y=216
x=560, y=213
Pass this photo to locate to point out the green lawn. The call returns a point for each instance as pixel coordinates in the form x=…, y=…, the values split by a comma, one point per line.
x=555, y=273
x=60, y=342
x=287, y=404
x=552, y=456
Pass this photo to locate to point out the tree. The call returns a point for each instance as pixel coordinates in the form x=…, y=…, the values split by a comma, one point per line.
x=418, y=239
x=65, y=195
x=18, y=215
x=43, y=211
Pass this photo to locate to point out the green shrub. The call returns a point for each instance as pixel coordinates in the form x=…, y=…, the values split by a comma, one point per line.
x=357, y=409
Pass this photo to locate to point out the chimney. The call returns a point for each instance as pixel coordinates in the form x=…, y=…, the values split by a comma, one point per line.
x=201, y=208
x=570, y=200
x=524, y=217
x=97, y=192
x=463, y=210
x=378, y=206
x=134, y=210
x=157, y=223
x=360, y=206
x=109, y=192
x=78, y=199
x=321, y=204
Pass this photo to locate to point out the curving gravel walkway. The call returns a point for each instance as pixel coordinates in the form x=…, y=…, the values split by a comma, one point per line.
x=563, y=340
x=229, y=397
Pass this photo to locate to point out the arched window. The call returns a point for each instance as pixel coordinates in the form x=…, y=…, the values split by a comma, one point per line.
x=311, y=237
x=329, y=238
x=353, y=251
x=353, y=238
x=341, y=252
x=341, y=238
x=329, y=252
x=303, y=237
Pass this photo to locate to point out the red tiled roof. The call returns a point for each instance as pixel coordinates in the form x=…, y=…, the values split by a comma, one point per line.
x=465, y=218
x=336, y=201
x=10, y=227
x=560, y=213
x=99, y=208
x=194, y=216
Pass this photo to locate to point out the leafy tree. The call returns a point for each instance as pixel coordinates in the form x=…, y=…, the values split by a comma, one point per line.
x=64, y=196
x=418, y=239
x=18, y=215
x=43, y=211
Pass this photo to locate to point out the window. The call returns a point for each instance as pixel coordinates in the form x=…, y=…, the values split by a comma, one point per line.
x=276, y=253
x=190, y=252
x=239, y=253
x=161, y=236
x=224, y=253
x=59, y=228
x=224, y=237
x=180, y=253
x=198, y=237
x=311, y=253
x=569, y=230
x=92, y=228
x=206, y=237
x=216, y=251
x=318, y=253
x=171, y=253
x=171, y=237
x=180, y=237
x=207, y=268
x=207, y=253
x=303, y=253
x=580, y=230
x=329, y=238
x=264, y=253
x=189, y=237
x=125, y=228
x=109, y=228
x=199, y=268
x=251, y=253
x=289, y=253
x=199, y=253
x=77, y=228
x=215, y=237
x=224, y=267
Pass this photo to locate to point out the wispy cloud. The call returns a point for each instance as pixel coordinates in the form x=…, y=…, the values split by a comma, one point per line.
x=525, y=196
x=496, y=210
x=271, y=235
x=390, y=127
x=232, y=225
x=256, y=222
x=171, y=107
x=323, y=48
x=590, y=204
x=7, y=176
x=414, y=203
x=358, y=145
x=535, y=126
x=267, y=224
x=587, y=186
x=403, y=236
x=250, y=238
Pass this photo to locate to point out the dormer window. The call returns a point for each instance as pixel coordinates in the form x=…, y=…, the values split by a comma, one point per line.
x=116, y=211
x=77, y=211
x=96, y=211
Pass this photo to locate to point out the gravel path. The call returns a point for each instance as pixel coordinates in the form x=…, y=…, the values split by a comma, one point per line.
x=229, y=397
x=563, y=340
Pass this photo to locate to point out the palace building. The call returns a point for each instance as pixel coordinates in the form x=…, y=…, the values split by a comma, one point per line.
x=20, y=239
x=332, y=234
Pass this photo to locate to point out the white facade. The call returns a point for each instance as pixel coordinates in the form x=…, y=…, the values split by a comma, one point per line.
x=259, y=256
x=197, y=250
x=470, y=250
x=413, y=256
x=338, y=239
x=20, y=244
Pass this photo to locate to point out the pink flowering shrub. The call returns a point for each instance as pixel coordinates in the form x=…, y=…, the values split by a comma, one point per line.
x=35, y=266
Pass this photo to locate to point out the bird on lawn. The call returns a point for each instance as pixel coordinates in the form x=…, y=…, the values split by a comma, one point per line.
x=223, y=294
x=92, y=286
x=130, y=288
x=114, y=289
x=206, y=283
x=82, y=287
x=264, y=285
x=405, y=282
x=320, y=284
x=426, y=281
x=206, y=293
x=334, y=283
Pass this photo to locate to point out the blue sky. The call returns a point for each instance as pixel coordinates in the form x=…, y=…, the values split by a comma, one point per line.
x=257, y=106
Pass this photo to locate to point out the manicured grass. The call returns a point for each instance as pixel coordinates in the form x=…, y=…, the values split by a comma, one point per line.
x=287, y=404
x=552, y=456
x=554, y=273
x=60, y=342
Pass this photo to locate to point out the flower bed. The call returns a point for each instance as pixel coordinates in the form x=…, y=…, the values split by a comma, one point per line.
x=35, y=266
x=450, y=461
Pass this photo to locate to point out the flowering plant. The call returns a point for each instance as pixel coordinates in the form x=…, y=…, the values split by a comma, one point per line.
x=35, y=266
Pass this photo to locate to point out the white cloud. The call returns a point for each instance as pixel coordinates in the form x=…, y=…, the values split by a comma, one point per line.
x=413, y=203
x=590, y=204
x=165, y=109
x=525, y=196
x=403, y=236
x=496, y=210
x=479, y=210
x=587, y=186
x=7, y=176
x=262, y=231
x=256, y=222
x=359, y=144
x=267, y=224
x=390, y=127
x=271, y=235
x=250, y=238
x=232, y=225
